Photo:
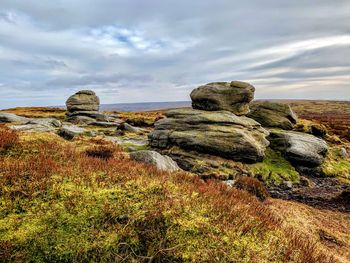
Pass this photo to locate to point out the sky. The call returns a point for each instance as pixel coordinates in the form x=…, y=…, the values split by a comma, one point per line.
x=159, y=50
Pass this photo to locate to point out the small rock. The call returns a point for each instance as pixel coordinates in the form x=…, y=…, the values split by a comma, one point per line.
x=129, y=128
x=343, y=153
x=288, y=184
x=162, y=162
x=91, y=134
x=230, y=182
x=69, y=132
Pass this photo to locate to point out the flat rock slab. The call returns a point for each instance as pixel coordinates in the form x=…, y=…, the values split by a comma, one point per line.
x=105, y=124
x=33, y=128
x=12, y=118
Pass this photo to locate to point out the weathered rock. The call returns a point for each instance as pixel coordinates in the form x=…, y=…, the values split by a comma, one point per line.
x=12, y=118
x=220, y=133
x=163, y=163
x=33, y=128
x=105, y=124
x=272, y=114
x=300, y=149
x=48, y=122
x=92, y=114
x=69, y=132
x=230, y=96
x=84, y=100
x=343, y=153
x=78, y=119
x=129, y=128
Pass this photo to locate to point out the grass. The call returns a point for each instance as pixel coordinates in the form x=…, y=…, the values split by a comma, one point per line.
x=60, y=204
x=38, y=112
x=274, y=169
x=141, y=119
x=336, y=166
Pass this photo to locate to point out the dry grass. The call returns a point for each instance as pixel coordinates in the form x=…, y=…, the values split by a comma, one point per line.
x=141, y=119
x=60, y=204
x=38, y=112
x=335, y=115
x=253, y=186
x=328, y=230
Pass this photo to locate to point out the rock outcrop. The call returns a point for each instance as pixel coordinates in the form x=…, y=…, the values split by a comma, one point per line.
x=162, y=162
x=229, y=96
x=302, y=150
x=271, y=114
x=219, y=133
x=83, y=108
x=70, y=131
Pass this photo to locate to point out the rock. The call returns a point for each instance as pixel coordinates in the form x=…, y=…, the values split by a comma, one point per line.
x=105, y=124
x=319, y=130
x=219, y=133
x=69, y=132
x=84, y=100
x=163, y=163
x=271, y=114
x=343, y=153
x=300, y=149
x=229, y=96
x=129, y=128
x=91, y=114
x=91, y=134
x=12, y=118
x=33, y=128
x=81, y=119
x=48, y=122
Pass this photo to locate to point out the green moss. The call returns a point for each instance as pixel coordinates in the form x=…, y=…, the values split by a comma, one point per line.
x=336, y=166
x=274, y=169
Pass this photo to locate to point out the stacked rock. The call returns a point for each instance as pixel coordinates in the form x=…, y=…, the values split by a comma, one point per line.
x=83, y=108
x=215, y=125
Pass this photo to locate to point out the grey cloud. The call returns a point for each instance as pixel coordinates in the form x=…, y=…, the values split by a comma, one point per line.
x=168, y=47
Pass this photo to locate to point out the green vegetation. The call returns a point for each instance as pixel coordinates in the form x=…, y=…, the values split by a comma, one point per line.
x=85, y=201
x=336, y=166
x=274, y=169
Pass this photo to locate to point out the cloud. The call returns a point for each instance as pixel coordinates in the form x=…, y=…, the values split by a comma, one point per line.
x=158, y=50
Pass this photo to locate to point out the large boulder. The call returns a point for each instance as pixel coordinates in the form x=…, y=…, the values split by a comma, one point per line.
x=162, y=162
x=84, y=100
x=229, y=96
x=302, y=150
x=272, y=114
x=220, y=133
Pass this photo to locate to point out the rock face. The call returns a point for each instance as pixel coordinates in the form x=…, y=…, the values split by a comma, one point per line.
x=84, y=100
x=163, y=163
x=301, y=149
x=271, y=114
x=220, y=133
x=230, y=96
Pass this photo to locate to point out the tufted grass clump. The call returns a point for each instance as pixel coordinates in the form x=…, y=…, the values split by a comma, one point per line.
x=58, y=204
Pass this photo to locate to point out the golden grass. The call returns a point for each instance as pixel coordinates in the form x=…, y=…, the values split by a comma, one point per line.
x=38, y=112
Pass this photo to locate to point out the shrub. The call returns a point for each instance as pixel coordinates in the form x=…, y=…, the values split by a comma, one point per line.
x=253, y=186
x=8, y=138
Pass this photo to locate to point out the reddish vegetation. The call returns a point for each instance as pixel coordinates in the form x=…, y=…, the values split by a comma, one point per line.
x=8, y=138
x=253, y=186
